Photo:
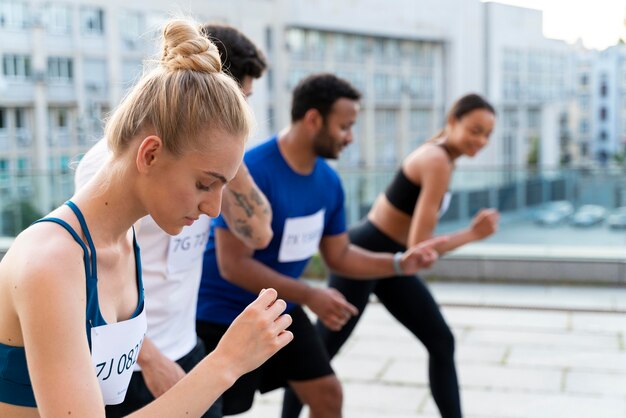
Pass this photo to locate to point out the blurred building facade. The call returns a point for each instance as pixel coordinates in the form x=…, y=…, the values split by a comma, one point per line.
x=66, y=64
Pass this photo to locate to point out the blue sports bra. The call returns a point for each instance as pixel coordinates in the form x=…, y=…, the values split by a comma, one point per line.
x=15, y=385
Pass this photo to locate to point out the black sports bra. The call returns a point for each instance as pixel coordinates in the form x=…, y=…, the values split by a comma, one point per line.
x=402, y=193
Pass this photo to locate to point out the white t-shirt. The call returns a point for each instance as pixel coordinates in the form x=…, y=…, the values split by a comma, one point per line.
x=172, y=267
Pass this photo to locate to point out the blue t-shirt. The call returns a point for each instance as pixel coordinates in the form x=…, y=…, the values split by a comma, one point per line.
x=304, y=208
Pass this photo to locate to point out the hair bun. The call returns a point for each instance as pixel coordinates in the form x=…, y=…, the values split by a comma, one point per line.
x=184, y=48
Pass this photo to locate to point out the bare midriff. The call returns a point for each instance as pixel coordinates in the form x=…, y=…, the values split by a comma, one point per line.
x=389, y=220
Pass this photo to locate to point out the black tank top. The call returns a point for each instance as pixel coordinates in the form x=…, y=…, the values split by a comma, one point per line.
x=402, y=193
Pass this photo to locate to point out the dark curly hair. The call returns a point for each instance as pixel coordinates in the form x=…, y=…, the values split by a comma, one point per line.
x=320, y=91
x=240, y=56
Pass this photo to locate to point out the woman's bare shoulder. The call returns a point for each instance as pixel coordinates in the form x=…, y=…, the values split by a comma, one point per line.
x=42, y=250
x=428, y=158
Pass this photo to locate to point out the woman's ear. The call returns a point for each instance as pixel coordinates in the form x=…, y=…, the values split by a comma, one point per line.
x=451, y=121
x=148, y=153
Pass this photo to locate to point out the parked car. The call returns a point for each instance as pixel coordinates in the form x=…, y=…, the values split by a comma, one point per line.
x=588, y=215
x=617, y=220
x=554, y=213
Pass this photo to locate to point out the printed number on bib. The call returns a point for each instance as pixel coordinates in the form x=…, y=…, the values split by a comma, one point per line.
x=187, y=247
x=114, y=351
x=301, y=237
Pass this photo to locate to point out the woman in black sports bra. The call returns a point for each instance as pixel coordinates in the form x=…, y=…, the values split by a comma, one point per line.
x=405, y=215
x=71, y=298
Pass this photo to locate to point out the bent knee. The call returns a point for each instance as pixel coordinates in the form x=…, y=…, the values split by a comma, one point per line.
x=324, y=396
x=442, y=344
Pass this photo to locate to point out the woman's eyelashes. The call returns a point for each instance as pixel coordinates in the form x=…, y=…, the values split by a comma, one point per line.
x=204, y=187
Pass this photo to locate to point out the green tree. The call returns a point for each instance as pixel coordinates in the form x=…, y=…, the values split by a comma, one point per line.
x=17, y=216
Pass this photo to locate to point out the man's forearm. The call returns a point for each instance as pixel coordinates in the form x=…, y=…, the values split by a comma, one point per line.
x=254, y=276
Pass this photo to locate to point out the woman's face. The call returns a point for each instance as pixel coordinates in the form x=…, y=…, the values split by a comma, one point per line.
x=471, y=132
x=177, y=190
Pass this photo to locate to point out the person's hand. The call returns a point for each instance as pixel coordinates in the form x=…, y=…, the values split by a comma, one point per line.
x=256, y=334
x=485, y=223
x=331, y=307
x=421, y=256
x=160, y=374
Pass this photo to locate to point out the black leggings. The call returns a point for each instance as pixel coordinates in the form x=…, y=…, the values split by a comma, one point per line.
x=408, y=299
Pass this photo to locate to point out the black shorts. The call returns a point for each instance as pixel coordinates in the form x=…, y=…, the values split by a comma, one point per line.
x=304, y=358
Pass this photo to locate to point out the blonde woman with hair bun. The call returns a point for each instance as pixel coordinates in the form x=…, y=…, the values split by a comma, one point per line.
x=72, y=317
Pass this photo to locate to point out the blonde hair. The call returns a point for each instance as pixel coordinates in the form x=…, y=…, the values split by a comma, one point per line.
x=182, y=97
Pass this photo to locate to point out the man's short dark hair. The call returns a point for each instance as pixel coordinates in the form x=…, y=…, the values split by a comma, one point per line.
x=240, y=56
x=320, y=91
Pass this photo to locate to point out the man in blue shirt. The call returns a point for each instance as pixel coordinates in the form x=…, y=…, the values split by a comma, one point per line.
x=307, y=201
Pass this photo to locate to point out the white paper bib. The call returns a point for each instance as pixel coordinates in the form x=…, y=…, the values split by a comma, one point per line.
x=187, y=247
x=301, y=237
x=114, y=351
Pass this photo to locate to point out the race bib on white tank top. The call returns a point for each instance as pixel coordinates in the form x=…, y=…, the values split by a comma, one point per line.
x=186, y=248
x=301, y=237
x=114, y=351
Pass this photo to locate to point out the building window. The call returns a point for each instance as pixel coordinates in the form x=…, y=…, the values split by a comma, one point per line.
x=12, y=14
x=603, y=135
x=62, y=119
x=132, y=28
x=584, y=149
x=584, y=80
x=64, y=163
x=58, y=18
x=603, y=89
x=131, y=71
x=295, y=42
x=4, y=138
x=16, y=66
x=603, y=113
x=60, y=69
x=294, y=77
x=270, y=79
x=95, y=76
x=92, y=20
x=351, y=157
x=20, y=118
x=340, y=46
x=420, y=125
x=23, y=165
x=268, y=39
x=534, y=119
x=584, y=126
x=386, y=123
x=22, y=133
x=315, y=44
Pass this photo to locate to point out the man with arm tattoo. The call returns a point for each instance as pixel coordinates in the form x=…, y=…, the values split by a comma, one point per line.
x=307, y=201
x=172, y=265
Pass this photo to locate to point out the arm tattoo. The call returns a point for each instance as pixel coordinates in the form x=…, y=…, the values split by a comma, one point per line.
x=242, y=228
x=256, y=197
x=242, y=201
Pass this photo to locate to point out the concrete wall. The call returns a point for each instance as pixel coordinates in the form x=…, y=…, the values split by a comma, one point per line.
x=532, y=264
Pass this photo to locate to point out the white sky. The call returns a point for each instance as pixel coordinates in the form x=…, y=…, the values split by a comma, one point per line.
x=599, y=23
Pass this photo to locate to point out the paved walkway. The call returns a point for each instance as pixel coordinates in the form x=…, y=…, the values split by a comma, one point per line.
x=522, y=351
